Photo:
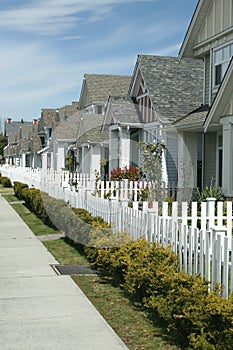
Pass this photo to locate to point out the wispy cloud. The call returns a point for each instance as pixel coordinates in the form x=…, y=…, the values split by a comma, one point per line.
x=54, y=17
x=47, y=46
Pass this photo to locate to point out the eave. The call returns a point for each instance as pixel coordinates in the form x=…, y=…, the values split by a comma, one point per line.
x=194, y=28
x=221, y=99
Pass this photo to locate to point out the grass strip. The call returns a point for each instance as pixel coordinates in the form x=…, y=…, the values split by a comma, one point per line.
x=37, y=226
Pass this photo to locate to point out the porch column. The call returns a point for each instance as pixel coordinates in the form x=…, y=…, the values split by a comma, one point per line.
x=113, y=148
x=85, y=159
x=227, y=130
x=95, y=158
x=23, y=160
x=124, y=148
x=187, y=164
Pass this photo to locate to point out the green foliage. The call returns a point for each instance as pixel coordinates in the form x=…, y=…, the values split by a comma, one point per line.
x=5, y=182
x=209, y=192
x=33, y=200
x=213, y=324
x=151, y=154
x=3, y=142
x=71, y=162
x=150, y=275
x=18, y=187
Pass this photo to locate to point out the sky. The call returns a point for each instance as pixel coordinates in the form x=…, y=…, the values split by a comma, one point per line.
x=48, y=45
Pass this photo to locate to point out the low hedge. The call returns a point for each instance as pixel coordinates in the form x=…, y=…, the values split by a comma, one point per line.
x=149, y=274
x=5, y=182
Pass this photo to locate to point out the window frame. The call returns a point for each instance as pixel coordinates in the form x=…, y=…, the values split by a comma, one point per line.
x=218, y=64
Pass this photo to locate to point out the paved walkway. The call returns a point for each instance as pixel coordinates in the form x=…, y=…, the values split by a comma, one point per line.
x=38, y=308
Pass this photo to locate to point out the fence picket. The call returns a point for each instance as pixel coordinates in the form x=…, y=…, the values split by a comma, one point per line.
x=207, y=250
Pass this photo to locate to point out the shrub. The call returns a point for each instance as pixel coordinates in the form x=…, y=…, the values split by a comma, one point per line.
x=5, y=181
x=208, y=192
x=131, y=173
x=18, y=187
x=212, y=323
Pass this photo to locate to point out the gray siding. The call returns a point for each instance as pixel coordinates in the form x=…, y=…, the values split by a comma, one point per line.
x=207, y=80
x=210, y=158
x=172, y=156
x=199, y=146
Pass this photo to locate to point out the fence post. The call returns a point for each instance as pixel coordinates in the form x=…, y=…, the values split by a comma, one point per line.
x=220, y=231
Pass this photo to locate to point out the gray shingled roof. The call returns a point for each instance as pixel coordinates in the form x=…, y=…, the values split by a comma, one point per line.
x=90, y=129
x=196, y=118
x=67, y=129
x=123, y=109
x=14, y=127
x=175, y=86
x=101, y=86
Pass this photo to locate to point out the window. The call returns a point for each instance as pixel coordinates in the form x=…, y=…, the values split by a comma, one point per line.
x=99, y=109
x=221, y=60
x=50, y=132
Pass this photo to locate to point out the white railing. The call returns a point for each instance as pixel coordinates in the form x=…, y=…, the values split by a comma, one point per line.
x=203, y=240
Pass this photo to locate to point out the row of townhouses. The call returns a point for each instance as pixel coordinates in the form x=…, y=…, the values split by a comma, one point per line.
x=184, y=101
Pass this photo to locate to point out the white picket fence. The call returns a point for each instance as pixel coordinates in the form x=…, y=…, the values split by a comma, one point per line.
x=117, y=190
x=202, y=240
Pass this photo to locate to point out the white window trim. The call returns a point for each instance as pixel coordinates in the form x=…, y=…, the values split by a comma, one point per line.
x=215, y=87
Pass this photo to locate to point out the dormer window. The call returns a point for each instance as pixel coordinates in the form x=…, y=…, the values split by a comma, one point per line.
x=221, y=60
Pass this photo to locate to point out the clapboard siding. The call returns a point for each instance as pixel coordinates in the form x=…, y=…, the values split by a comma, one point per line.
x=172, y=156
x=210, y=158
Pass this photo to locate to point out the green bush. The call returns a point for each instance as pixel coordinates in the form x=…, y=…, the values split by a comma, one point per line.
x=212, y=323
x=150, y=275
x=5, y=182
x=18, y=187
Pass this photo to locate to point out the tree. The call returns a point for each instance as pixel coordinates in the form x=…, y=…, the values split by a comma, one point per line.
x=2, y=143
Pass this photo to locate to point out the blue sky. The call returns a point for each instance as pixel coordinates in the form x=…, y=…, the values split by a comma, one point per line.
x=47, y=45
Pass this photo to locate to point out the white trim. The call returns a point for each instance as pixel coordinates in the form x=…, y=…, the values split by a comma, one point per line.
x=214, y=13
x=221, y=16
x=210, y=78
x=143, y=95
x=43, y=150
x=218, y=148
x=230, y=20
x=213, y=38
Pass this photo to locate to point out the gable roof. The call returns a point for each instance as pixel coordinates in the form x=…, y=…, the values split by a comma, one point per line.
x=14, y=127
x=90, y=129
x=123, y=110
x=68, y=128
x=175, y=86
x=97, y=88
x=194, y=28
x=222, y=98
x=193, y=120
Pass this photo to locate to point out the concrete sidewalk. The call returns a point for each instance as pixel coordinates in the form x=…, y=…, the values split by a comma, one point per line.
x=39, y=309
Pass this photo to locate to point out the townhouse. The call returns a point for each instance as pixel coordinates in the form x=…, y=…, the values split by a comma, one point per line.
x=207, y=133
